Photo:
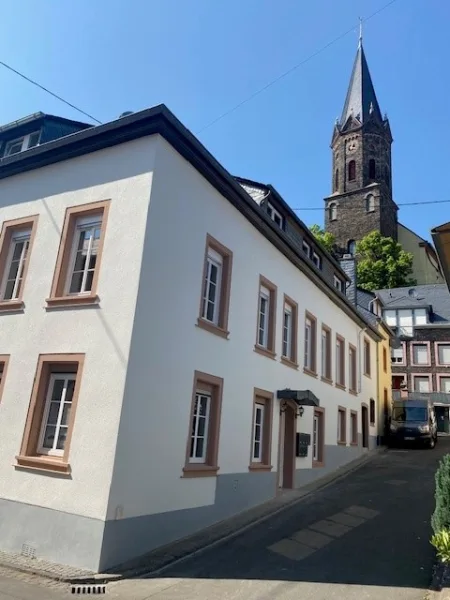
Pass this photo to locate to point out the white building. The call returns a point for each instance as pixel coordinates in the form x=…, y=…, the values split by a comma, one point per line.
x=160, y=314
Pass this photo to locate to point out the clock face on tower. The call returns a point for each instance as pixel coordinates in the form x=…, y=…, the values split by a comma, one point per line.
x=352, y=146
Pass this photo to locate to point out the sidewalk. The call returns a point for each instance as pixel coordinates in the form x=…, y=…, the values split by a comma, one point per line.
x=158, y=560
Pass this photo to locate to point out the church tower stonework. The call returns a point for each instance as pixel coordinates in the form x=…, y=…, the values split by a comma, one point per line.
x=361, y=195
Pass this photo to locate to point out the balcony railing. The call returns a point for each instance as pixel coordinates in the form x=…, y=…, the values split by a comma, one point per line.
x=435, y=397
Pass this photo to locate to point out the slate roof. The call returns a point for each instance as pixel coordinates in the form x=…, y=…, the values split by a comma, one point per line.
x=435, y=296
x=361, y=93
x=363, y=300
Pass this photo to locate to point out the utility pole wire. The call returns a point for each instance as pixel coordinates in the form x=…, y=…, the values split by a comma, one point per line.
x=49, y=92
x=292, y=69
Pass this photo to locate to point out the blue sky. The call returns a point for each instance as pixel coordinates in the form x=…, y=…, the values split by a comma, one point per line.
x=203, y=57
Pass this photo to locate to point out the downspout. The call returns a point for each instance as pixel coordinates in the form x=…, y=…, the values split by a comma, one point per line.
x=360, y=357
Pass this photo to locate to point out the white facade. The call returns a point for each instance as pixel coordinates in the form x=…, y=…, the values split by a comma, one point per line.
x=127, y=492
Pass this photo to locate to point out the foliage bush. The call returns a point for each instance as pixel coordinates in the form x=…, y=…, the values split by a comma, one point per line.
x=441, y=541
x=440, y=520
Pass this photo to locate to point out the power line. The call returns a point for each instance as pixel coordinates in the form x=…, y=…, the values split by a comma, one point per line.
x=380, y=205
x=292, y=69
x=49, y=92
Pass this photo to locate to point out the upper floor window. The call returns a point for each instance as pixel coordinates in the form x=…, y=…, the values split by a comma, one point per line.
x=310, y=343
x=340, y=361
x=21, y=144
x=332, y=211
x=372, y=168
x=352, y=170
x=289, y=346
x=275, y=215
x=265, y=335
x=397, y=355
x=370, y=203
x=367, y=365
x=442, y=350
x=78, y=262
x=351, y=247
x=352, y=373
x=216, y=288
x=336, y=180
x=14, y=257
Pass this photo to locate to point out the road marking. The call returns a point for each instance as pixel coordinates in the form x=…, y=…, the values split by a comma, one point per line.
x=361, y=511
x=291, y=549
x=349, y=520
x=330, y=528
x=311, y=538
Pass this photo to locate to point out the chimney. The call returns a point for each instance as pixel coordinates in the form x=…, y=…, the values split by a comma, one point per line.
x=348, y=265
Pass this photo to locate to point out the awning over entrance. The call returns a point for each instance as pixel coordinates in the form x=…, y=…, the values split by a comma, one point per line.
x=300, y=397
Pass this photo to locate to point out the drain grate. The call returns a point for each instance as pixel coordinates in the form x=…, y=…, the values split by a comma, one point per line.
x=89, y=589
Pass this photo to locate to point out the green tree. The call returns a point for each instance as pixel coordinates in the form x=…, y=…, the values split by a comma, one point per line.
x=382, y=263
x=441, y=516
x=326, y=238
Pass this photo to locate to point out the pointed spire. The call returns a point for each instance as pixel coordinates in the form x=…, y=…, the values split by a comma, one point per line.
x=361, y=101
x=360, y=32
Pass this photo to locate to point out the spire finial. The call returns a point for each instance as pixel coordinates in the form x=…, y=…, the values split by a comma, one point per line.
x=360, y=32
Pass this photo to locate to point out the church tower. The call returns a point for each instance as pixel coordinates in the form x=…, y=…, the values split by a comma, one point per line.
x=361, y=199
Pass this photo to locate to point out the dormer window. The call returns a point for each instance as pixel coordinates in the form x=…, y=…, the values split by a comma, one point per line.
x=21, y=144
x=338, y=284
x=317, y=260
x=275, y=215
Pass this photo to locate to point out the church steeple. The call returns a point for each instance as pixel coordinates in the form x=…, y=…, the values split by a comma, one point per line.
x=361, y=101
x=361, y=199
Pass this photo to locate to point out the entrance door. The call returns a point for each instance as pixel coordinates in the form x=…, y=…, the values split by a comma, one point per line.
x=365, y=426
x=287, y=449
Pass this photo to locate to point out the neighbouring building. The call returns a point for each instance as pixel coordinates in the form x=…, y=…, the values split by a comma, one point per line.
x=420, y=316
x=361, y=197
x=441, y=239
x=369, y=307
x=175, y=345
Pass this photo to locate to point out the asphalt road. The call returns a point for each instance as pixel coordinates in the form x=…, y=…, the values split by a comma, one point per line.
x=363, y=537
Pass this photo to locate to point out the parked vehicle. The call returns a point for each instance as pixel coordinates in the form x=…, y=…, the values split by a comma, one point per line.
x=413, y=421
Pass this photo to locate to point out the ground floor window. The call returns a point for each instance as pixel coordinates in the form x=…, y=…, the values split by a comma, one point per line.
x=51, y=414
x=354, y=427
x=341, y=429
x=204, y=426
x=261, y=430
x=318, y=440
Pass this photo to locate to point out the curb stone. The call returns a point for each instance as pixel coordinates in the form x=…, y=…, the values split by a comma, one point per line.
x=161, y=559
